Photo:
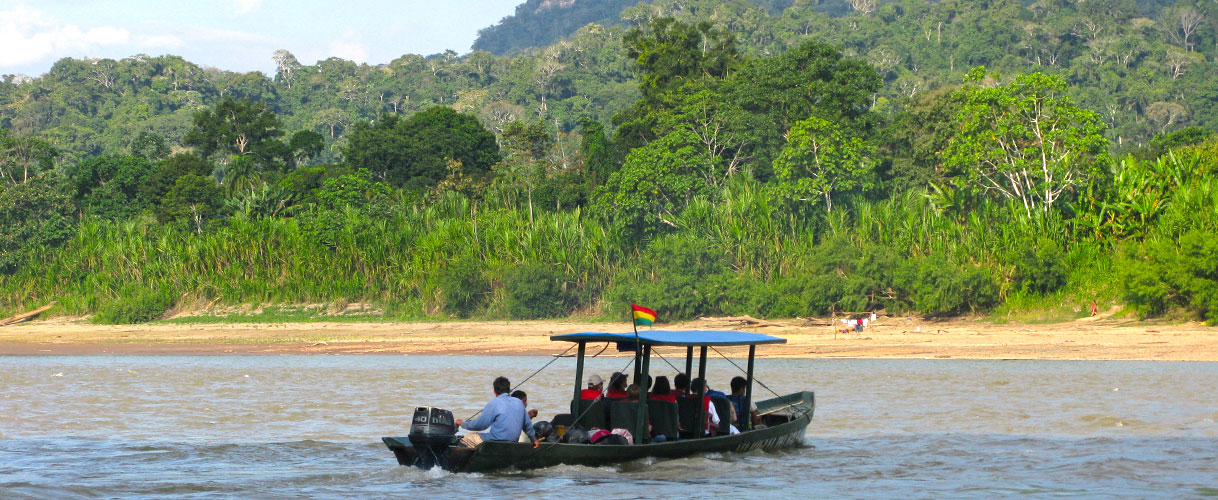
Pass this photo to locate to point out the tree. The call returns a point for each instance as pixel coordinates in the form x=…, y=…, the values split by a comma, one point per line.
x=193, y=201
x=656, y=183
x=150, y=146
x=23, y=158
x=527, y=146
x=1025, y=141
x=305, y=144
x=286, y=67
x=34, y=217
x=239, y=128
x=111, y=186
x=168, y=171
x=819, y=160
x=414, y=153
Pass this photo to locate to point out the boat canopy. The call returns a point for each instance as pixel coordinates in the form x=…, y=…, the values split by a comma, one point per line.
x=675, y=337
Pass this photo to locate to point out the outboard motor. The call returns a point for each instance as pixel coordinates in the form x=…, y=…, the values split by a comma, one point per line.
x=432, y=432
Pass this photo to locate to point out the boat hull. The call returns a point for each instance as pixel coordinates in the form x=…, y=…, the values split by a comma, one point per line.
x=492, y=455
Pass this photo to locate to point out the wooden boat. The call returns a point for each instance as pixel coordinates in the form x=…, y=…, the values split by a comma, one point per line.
x=785, y=418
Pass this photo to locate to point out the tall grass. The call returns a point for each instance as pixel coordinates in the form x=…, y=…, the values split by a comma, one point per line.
x=396, y=260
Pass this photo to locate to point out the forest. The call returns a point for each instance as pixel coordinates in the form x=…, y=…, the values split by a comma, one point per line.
x=777, y=159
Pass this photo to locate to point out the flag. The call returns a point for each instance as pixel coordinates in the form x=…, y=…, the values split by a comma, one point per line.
x=642, y=315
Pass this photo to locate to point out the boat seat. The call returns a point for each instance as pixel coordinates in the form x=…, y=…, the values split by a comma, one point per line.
x=663, y=418
x=687, y=412
x=592, y=414
x=723, y=407
x=623, y=415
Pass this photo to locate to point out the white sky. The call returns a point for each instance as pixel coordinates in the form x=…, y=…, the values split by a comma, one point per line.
x=237, y=35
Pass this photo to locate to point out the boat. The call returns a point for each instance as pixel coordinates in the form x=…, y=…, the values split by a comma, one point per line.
x=785, y=419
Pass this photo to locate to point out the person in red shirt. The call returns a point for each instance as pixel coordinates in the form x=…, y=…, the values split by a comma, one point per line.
x=662, y=391
x=617, y=386
x=593, y=392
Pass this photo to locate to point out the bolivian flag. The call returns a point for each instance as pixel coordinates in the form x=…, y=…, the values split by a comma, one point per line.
x=642, y=315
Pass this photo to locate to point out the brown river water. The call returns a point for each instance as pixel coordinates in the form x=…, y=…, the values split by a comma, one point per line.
x=310, y=427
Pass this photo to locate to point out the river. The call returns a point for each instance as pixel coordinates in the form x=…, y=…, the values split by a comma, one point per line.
x=310, y=426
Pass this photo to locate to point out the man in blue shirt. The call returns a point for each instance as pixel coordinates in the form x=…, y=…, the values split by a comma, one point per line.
x=505, y=416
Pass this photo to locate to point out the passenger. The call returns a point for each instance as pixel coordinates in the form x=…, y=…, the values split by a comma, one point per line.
x=524, y=398
x=505, y=416
x=739, y=388
x=662, y=391
x=595, y=389
x=681, y=384
x=712, y=417
x=713, y=393
x=617, y=386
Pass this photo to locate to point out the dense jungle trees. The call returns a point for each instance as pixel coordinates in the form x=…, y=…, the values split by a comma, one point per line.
x=719, y=161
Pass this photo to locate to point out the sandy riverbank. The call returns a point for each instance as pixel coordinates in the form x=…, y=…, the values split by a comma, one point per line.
x=887, y=338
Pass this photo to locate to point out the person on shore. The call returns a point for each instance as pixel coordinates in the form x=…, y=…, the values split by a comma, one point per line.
x=662, y=391
x=617, y=386
x=504, y=416
x=595, y=389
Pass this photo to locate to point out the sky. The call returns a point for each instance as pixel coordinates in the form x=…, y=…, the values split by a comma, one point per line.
x=237, y=35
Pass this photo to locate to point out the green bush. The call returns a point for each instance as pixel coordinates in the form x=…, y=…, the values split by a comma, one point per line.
x=937, y=287
x=539, y=291
x=463, y=288
x=1165, y=275
x=678, y=275
x=135, y=305
x=1040, y=267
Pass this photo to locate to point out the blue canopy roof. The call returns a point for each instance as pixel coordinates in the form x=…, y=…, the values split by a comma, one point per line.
x=678, y=337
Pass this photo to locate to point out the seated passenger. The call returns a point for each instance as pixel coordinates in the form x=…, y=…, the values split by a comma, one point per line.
x=739, y=388
x=617, y=386
x=662, y=391
x=505, y=416
x=524, y=398
x=681, y=384
x=712, y=417
x=595, y=386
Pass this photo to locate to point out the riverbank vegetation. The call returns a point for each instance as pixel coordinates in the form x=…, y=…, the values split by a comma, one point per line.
x=720, y=181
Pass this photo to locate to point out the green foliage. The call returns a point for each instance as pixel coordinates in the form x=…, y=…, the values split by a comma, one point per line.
x=463, y=286
x=192, y=202
x=239, y=127
x=35, y=217
x=167, y=172
x=1039, y=267
x=677, y=274
x=414, y=153
x=1164, y=275
x=937, y=287
x=820, y=160
x=537, y=24
x=656, y=183
x=113, y=187
x=539, y=290
x=23, y=158
x=149, y=146
x=135, y=304
x=1026, y=142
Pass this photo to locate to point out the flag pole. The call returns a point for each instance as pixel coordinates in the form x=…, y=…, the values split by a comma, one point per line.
x=637, y=347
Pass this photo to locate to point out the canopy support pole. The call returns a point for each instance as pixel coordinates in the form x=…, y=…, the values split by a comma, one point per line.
x=747, y=419
x=579, y=378
x=689, y=361
x=640, y=422
x=700, y=421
